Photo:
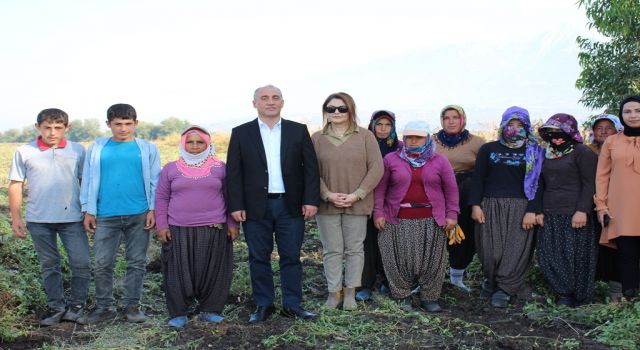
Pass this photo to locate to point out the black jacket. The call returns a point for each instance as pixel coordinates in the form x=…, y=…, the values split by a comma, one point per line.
x=247, y=174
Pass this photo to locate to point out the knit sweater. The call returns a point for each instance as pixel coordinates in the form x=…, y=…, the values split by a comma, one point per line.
x=569, y=182
x=500, y=173
x=463, y=156
x=355, y=167
x=439, y=186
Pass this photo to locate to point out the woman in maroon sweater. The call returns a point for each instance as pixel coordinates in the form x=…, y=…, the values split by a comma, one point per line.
x=415, y=203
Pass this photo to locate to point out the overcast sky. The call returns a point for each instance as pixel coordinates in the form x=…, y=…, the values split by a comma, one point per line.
x=202, y=60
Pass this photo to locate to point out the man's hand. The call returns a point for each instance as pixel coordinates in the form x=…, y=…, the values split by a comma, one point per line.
x=164, y=235
x=151, y=220
x=15, y=205
x=477, y=214
x=239, y=216
x=308, y=211
x=579, y=219
x=379, y=223
x=528, y=221
x=18, y=227
x=233, y=233
x=89, y=223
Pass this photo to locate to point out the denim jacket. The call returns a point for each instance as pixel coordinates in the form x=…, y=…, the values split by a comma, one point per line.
x=91, y=173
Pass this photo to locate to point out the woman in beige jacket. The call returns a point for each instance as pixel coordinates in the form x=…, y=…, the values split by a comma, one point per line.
x=350, y=168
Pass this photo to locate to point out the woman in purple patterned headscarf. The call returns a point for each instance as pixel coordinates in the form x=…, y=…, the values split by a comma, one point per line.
x=567, y=252
x=505, y=199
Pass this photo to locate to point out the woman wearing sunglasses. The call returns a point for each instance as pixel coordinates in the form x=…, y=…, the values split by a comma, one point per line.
x=350, y=168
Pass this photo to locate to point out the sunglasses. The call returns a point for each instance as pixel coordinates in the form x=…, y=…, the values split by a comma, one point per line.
x=332, y=109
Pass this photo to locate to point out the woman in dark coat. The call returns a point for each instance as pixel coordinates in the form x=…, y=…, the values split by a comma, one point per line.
x=567, y=250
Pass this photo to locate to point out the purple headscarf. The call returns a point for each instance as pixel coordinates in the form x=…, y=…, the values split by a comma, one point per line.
x=533, y=152
x=563, y=126
x=564, y=122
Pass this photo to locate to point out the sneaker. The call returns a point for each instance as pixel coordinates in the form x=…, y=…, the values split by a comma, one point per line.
x=500, y=299
x=178, y=322
x=73, y=313
x=51, y=317
x=98, y=315
x=210, y=317
x=430, y=306
x=134, y=314
x=363, y=294
x=406, y=304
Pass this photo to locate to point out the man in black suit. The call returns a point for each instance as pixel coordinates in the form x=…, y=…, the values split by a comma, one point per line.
x=274, y=185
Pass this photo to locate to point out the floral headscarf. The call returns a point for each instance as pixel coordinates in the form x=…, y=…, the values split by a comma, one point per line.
x=512, y=137
x=196, y=165
x=610, y=117
x=389, y=144
x=560, y=126
x=417, y=156
x=451, y=141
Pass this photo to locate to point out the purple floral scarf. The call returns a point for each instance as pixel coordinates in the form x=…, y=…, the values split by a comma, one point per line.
x=512, y=136
x=560, y=126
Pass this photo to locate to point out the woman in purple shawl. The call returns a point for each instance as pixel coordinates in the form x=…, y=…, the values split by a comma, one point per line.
x=505, y=199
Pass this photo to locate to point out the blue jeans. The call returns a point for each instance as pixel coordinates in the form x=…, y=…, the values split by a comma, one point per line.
x=289, y=232
x=75, y=242
x=109, y=233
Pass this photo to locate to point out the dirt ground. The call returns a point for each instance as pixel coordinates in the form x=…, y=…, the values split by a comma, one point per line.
x=467, y=321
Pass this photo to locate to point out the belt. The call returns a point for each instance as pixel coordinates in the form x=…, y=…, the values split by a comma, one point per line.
x=275, y=195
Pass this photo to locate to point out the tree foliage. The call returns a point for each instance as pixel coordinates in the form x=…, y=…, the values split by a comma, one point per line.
x=89, y=129
x=610, y=69
x=84, y=130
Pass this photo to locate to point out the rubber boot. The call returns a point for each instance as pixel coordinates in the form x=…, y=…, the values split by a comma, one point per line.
x=615, y=291
x=456, y=277
x=333, y=300
x=349, y=302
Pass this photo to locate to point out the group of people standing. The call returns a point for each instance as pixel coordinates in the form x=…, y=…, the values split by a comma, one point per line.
x=392, y=214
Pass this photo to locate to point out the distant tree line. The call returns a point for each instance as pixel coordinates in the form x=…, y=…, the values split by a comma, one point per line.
x=89, y=130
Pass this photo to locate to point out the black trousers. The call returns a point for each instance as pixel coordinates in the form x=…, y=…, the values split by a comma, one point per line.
x=289, y=233
x=372, y=258
x=461, y=255
x=607, y=266
x=628, y=259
